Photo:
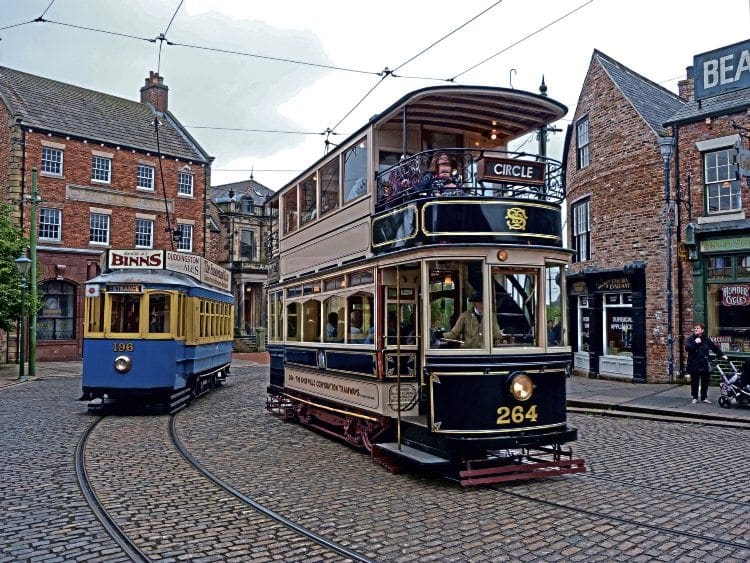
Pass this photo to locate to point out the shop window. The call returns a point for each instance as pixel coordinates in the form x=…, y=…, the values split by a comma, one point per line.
x=719, y=267
x=618, y=323
x=584, y=324
x=56, y=319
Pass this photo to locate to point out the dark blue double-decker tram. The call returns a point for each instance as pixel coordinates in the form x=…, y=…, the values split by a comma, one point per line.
x=417, y=296
x=158, y=329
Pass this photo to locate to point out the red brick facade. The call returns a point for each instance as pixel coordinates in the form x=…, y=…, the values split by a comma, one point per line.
x=624, y=183
x=73, y=258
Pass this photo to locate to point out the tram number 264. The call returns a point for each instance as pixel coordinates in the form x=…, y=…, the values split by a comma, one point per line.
x=516, y=415
x=123, y=347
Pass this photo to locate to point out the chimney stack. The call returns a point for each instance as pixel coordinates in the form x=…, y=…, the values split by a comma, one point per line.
x=155, y=92
x=686, y=88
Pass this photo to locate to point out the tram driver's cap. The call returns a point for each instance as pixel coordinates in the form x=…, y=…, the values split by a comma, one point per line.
x=475, y=297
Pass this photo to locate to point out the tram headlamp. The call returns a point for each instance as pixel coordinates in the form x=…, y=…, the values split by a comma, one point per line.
x=123, y=364
x=521, y=387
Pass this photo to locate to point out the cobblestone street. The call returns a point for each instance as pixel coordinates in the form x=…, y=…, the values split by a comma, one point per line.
x=654, y=490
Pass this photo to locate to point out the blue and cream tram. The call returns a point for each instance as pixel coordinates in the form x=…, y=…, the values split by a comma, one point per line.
x=158, y=328
x=413, y=274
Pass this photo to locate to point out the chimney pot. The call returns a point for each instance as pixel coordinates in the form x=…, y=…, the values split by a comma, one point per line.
x=155, y=93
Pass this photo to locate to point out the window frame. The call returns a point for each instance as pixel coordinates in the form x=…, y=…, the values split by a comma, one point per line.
x=50, y=226
x=105, y=229
x=725, y=172
x=45, y=163
x=581, y=229
x=583, y=143
x=181, y=245
x=149, y=179
x=185, y=188
x=142, y=221
x=104, y=172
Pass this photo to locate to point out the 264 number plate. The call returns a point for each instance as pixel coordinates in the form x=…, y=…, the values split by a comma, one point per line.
x=517, y=414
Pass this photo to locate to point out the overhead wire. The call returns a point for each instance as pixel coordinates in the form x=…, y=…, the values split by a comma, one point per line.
x=501, y=51
x=386, y=72
x=444, y=37
x=381, y=74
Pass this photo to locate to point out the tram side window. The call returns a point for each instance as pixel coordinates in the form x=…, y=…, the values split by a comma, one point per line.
x=355, y=171
x=333, y=310
x=361, y=322
x=291, y=213
x=293, y=314
x=311, y=316
x=554, y=301
x=275, y=317
x=329, y=187
x=125, y=312
x=515, y=304
x=159, y=307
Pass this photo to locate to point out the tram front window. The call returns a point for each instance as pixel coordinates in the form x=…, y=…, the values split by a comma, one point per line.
x=457, y=297
x=514, y=304
x=159, y=312
x=125, y=313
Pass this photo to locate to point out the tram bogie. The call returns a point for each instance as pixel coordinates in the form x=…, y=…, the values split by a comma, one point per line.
x=157, y=332
x=410, y=317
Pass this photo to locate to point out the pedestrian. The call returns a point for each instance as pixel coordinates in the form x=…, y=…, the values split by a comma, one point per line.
x=698, y=346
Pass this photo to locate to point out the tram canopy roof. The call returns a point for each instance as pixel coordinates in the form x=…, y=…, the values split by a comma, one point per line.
x=506, y=112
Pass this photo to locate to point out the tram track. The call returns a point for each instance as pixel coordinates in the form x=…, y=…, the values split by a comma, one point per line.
x=621, y=520
x=303, y=531
x=145, y=531
x=97, y=507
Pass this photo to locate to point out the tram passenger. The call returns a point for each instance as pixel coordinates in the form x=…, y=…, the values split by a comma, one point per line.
x=468, y=327
x=553, y=334
x=441, y=178
x=332, y=326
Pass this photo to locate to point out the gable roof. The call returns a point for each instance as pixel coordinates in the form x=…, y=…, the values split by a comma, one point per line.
x=722, y=104
x=243, y=189
x=653, y=103
x=65, y=109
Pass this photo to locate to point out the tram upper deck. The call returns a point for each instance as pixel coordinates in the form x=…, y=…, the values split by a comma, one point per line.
x=437, y=166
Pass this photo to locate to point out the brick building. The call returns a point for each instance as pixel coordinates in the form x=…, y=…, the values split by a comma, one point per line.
x=626, y=225
x=112, y=172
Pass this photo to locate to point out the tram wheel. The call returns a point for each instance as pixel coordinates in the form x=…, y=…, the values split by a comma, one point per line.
x=725, y=402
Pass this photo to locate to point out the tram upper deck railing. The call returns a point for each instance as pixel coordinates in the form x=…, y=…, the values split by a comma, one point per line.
x=473, y=173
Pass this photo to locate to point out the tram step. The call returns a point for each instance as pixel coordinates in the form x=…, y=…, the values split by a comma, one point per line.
x=412, y=454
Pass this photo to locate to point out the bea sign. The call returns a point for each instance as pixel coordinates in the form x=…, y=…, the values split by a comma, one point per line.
x=722, y=70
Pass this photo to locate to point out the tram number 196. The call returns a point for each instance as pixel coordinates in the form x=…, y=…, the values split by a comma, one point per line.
x=123, y=347
x=516, y=415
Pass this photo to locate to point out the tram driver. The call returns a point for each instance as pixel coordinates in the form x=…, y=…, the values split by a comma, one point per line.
x=468, y=327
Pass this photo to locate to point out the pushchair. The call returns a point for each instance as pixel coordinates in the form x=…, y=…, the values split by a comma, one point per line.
x=734, y=385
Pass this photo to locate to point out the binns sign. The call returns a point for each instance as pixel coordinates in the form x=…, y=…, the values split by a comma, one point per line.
x=722, y=70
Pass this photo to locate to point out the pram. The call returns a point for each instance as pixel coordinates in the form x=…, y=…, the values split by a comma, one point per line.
x=735, y=386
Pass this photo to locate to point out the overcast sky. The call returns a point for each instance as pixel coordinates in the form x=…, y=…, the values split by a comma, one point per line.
x=213, y=89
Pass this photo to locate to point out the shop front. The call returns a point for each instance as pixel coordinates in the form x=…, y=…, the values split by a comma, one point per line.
x=608, y=323
x=721, y=284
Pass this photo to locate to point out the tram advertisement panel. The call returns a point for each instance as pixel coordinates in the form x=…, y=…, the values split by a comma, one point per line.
x=483, y=403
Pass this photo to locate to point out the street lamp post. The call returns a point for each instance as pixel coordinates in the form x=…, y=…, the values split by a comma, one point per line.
x=23, y=264
x=666, y=145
